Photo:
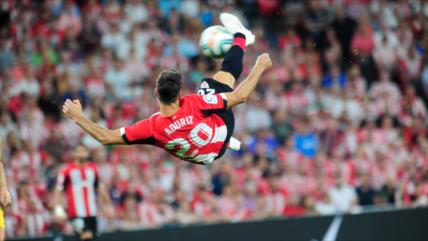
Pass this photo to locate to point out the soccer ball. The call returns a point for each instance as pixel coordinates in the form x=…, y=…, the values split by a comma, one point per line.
x=215, y=41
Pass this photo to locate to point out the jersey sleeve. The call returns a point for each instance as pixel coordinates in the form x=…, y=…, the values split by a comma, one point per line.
x=211, y=103
x=138, y=133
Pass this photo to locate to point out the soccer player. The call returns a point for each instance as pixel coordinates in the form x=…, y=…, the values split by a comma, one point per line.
x=5, y=198
x=195, y=128
x=79, y=179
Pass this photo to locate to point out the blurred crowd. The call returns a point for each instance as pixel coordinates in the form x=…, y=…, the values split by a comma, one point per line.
x=338, y=124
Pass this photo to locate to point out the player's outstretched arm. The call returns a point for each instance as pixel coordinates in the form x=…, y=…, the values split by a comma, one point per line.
x=244, y=89
x=73, y=110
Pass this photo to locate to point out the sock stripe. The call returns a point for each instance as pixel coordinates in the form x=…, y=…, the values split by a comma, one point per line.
x=240, y=41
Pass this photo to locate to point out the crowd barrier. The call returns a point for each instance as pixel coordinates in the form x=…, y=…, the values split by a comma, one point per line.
x=403, y=224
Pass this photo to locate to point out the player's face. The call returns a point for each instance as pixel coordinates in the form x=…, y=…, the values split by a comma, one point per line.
x=80, y=153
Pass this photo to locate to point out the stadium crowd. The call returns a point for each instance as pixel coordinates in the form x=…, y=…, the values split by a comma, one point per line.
x=338, y=124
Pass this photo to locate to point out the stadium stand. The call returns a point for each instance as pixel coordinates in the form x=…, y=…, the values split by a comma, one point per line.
x=338, y=124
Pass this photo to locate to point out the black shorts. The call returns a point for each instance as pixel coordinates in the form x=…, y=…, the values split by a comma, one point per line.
x=84, y=224
x=210, y=86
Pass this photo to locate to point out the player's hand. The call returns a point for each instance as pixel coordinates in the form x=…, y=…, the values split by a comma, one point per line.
x=59, y=214
x=72, y=109
x=5, y=199
x=264, y=60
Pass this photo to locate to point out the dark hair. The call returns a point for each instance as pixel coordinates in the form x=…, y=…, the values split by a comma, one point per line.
x=168, y=86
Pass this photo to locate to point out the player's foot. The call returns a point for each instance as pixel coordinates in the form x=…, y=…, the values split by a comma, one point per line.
x=234, y=144
x=234, y=25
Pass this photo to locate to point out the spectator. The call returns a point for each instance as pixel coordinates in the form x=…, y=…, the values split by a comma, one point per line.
x=281, y=126
x=130, y=219
x=387, y=194
x=116, y=41
x=276, y=198
x=119, y=80
x=184, y=215
x=257, y=116
x=306, y=141
x=344, y=27
x=366, y=194
x=6, y=125
x=324, y=206
x=334, y=78
x=363, y=40
x=294, y=208
x=342, y=196
x=136, y=11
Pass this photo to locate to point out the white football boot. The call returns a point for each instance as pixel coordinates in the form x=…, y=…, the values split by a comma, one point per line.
x=234, y=25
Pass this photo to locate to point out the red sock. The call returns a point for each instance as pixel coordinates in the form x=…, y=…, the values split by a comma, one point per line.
x=239, y=40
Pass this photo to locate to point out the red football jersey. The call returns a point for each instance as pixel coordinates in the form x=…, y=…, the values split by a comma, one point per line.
x=80, y=183
x=194, y=133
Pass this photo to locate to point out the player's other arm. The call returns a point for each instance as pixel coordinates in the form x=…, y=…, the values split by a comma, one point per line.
x=5, y=198
x=73, y=110
x=244, y=89
x=62, y=181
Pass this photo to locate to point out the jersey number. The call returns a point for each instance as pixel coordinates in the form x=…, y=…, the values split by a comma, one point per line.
x=206, y=91
x=184, y=145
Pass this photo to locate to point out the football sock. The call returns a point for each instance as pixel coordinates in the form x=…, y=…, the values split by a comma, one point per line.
x=232, y=62
x=239, y=39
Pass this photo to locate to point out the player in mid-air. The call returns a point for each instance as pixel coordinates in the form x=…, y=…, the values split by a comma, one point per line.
x=195, y=128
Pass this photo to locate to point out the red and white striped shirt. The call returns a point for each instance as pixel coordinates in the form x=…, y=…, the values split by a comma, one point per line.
x=80, y=183
x=275, y=202
x=149, y=214
x=12, y=223
x=37, y=222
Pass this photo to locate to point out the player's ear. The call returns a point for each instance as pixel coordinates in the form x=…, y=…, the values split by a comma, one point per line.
x=155, y=92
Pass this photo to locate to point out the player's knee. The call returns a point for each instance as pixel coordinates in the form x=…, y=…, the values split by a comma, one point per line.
x=225, y=78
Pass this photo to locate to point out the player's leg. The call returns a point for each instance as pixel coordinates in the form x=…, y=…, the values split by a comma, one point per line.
x=84, y=228
x=231, y=67
x=224, y=81
x=89, y=232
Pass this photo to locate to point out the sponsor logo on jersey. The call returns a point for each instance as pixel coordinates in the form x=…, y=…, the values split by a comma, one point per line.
x=204, y=85
x=210, y=99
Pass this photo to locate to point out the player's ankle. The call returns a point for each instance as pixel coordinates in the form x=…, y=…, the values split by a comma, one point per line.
x=240, y=40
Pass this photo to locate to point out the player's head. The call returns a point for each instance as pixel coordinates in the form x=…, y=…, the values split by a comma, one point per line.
x=168, y=86
x=80, y=153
